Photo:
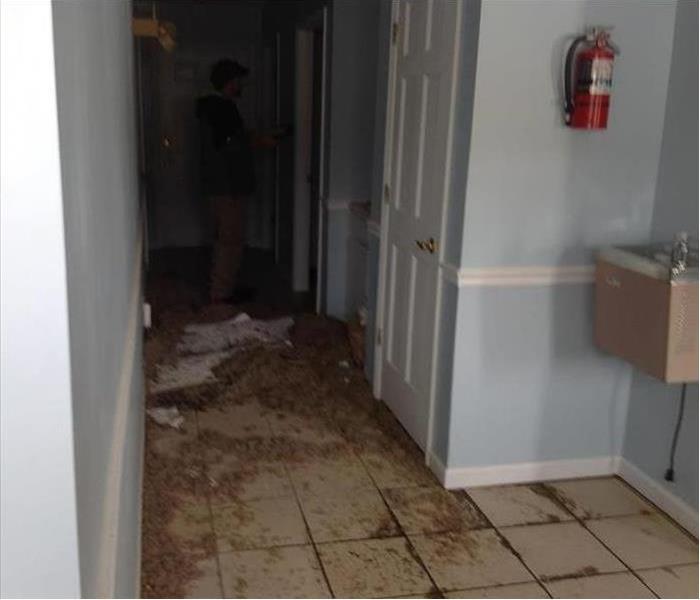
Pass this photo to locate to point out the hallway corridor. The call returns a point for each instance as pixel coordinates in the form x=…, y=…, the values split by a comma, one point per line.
x=287, y=479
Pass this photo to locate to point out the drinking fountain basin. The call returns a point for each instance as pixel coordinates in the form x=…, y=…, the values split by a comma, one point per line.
x=653, y=260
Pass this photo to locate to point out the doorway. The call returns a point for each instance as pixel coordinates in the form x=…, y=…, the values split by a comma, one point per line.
x=179, y=232
x=310, y=123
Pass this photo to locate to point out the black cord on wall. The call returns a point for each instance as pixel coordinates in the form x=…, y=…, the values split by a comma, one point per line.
x=670, y=474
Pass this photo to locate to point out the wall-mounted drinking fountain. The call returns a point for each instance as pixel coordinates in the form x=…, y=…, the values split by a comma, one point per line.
x=646, y=311
x=647, y=307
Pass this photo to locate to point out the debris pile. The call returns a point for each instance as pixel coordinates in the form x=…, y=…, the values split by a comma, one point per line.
x=301, y=370
x=203, y=346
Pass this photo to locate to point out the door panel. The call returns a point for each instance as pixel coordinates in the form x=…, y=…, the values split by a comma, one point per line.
x=417, y=179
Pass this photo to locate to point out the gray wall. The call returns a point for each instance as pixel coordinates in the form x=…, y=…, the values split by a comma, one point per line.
x=526, y=373
x=38, y=529
x=97, y=127
x=653, y=406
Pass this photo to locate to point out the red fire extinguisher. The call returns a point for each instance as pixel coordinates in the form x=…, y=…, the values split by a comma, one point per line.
x=588, y=91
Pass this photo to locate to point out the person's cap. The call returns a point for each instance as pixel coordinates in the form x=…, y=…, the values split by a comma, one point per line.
x=225, y=70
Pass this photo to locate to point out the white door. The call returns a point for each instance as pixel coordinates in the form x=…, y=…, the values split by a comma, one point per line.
x=425, y=47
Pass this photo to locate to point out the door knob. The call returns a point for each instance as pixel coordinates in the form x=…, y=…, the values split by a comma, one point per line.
x=429, y=245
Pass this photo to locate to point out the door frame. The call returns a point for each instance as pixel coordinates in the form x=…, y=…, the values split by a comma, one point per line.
x=379, y=338
x=303, y=107
x=276, y=233
x=325, y=65
x=384, y=223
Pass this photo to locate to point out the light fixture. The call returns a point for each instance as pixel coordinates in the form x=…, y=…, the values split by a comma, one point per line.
x=164, y=31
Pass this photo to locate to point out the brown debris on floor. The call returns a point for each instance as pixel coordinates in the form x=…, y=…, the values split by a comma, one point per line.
x=311, y=379
x=583, y=572
x=287, y=478
x=196, y=396
x=166, y=566
x=356, y=338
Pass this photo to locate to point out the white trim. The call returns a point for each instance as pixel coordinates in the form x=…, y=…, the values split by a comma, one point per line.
x=450, y=273
x=303, y=104
x=277, y=150
x=333, y=205
x=384, y=222
x=384, y=226
x=517, y=276
x=460, y=477
x=676, y=508
x=358, y=207
x=374, y=228
x=322, y=162
x=464, y=477
x=142, y=475
x=436, y=466
x=109, y=538
x=446, y=181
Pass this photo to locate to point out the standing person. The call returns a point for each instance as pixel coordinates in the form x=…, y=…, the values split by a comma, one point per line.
x=227, y=174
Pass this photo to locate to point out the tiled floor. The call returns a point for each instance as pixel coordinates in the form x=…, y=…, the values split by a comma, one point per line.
x=359, y=515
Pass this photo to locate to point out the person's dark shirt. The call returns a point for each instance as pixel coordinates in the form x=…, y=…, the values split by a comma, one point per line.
x=227, y=165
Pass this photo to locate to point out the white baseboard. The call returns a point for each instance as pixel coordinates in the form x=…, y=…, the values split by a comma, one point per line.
x=436, y=466
x=111, y=510
x=676, y=508
x=374, y=228
x=522, y=472
x=465, y=477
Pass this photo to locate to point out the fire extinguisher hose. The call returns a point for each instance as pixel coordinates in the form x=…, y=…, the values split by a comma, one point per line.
x=568, y=84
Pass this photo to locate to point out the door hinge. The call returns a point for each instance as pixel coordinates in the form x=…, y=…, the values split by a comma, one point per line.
x=379, y=337
x=394, y=33
x=387, y=193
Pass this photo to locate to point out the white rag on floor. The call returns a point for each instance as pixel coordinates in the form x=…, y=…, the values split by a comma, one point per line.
x=187, y=371
x=167, y=416
x=232, y=334
x=207, y=345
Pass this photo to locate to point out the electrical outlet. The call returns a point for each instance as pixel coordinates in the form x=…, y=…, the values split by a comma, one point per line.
x=146, y=315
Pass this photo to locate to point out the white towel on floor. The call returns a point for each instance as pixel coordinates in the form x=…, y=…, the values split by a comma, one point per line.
x=232, y=334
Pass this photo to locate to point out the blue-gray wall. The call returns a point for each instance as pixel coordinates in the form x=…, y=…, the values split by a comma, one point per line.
x=528, y=384
x=538, y=192
x=352, y=142
x=653, y=406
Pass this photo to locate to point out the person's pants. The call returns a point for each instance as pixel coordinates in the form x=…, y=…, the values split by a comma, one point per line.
x=228, y=216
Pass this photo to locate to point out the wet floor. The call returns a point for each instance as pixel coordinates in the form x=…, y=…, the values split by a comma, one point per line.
x=288, y=480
